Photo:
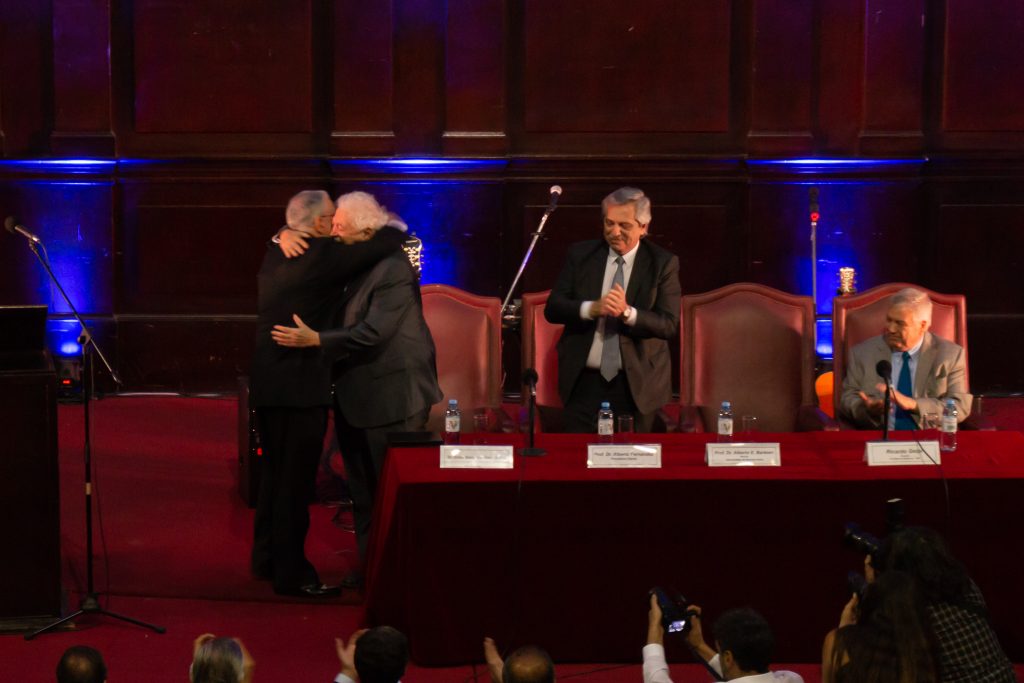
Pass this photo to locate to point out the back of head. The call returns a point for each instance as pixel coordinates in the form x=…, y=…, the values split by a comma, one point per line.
x=529, y=664
x=922, y=553
x=747, y=635
x=306, y=207
x=218, y=660
x=381, y=655
x=81, y=664
x=630, y=195
x=363, y=211
x=891, y=640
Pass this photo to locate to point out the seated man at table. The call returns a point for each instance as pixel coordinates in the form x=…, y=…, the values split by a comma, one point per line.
x=743, y=639
x=926, y=370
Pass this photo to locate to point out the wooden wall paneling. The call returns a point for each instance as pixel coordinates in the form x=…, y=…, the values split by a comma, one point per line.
x=363, y=78
x=841, y=80
x=475, y=77
x=894, y=54
x=81, y=78
x=784, y=60
x=419, y=77
x=654, y=79
x=26, y=70
x=982, y=104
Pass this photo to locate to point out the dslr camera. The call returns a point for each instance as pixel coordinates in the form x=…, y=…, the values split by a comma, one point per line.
x=675, y=610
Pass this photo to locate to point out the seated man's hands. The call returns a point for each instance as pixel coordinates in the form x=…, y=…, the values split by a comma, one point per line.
x=613, y=303
x=495, y=665
x=907, y=403
x=347, y=654
x=301, y=336
x=293, y=243
x=874, y=406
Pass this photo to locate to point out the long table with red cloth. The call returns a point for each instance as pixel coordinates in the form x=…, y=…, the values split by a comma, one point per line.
x=557, y=554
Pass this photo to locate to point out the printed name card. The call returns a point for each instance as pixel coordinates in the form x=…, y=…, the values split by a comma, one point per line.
x=476, y=457
x=623, y=455
x=743, y=455
x=901, y=453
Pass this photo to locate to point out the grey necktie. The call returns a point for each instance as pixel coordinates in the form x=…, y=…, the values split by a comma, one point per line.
x=611, y=359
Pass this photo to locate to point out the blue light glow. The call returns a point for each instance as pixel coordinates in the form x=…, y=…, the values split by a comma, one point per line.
x=62, y=336
x=422, y=165
x=70, y=348
x=823, y=329
x=833, y=162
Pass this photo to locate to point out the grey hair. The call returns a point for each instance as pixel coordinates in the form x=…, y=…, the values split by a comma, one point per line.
x=217, y=661
x=629, y=195
x=916, y=300
x=305, y=207
x=363, y=211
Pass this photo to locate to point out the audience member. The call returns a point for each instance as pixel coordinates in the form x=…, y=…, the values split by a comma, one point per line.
x=220, y=660
x=882, y=638
x=966, y=645
x=528, y=664
x=376, y=655
x=743, y=647
x=81, y=664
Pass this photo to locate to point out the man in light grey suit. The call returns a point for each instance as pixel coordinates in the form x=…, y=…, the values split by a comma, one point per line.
x=926, y=370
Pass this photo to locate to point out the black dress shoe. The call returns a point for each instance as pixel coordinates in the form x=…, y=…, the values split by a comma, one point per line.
x=313, y=590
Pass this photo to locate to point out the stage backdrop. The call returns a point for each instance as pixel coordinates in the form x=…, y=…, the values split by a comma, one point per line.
x=153, y=144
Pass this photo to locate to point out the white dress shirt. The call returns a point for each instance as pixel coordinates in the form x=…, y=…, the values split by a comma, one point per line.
x=656, y=669
x=594, y=357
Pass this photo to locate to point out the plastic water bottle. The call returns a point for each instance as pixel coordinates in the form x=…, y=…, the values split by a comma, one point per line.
x=452, y=422
x=725, y=422
x=605, y=423
x=947, y=437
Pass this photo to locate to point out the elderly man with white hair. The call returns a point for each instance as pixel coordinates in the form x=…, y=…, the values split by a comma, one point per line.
x=926, y=370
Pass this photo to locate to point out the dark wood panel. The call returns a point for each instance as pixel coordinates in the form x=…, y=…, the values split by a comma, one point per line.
x=419, y=76
x=781, y=116
x=595, y=67
x=26, y=74
x=81, y=41
x=984, y=66
x=997, y=365
x=254, y=60
x=363, y=78
x=841, y=79
x=894, y=50
x=475, y=77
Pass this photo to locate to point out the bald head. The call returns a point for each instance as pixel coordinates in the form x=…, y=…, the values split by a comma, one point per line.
x=529, y=664
x=81, y=664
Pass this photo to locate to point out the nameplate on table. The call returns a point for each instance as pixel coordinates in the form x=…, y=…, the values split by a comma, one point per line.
x=476, y=457
x=902, y=453
x=743, y=455
x=623, y=455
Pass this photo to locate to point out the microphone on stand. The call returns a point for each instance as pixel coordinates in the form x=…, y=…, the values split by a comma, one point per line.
x=556, y=192
x=12, y=226
x=884, y=370
x=530, y=380
x=508, y=316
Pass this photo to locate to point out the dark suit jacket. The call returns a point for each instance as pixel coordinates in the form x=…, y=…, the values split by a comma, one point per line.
x=653, y=291
x=384, y=361
x=312, y=286
x=940, y=374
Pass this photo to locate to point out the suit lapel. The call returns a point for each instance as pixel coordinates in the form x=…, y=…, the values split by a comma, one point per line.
x=642, y=265
x=925, y=363
x=594, y=286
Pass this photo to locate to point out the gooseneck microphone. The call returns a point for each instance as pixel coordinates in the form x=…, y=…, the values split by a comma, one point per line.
x=530, y=378
x=884, y=370
x=11, y=224
x=556, y=192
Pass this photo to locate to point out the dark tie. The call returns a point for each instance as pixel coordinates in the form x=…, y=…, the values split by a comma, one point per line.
x=610, y=358
x=905, y=387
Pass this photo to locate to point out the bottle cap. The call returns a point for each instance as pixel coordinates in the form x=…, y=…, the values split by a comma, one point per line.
x=605, y=405
x=453, y=402
x=726, y=405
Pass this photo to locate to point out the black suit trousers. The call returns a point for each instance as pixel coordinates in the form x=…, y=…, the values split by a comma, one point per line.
x=292, y=440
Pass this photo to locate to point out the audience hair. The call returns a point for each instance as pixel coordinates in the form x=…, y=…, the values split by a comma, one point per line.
x=381, y=655
x=891, y=641
x=915, y=300
x=363, y=210
x=81, y=664
x=305, y=207
x=747, y=635
x=218, y=660
x=528, y=664
x=629, y=195
x=923, y=554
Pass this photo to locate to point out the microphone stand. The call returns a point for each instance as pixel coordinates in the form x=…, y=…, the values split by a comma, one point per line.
x=531, y=410
x=526, y=259
x=90, y=603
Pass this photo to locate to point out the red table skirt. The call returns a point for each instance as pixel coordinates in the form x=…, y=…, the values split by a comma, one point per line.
x=556, y=554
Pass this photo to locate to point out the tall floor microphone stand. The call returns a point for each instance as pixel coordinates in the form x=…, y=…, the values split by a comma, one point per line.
x=90, y=603
x=556, y=192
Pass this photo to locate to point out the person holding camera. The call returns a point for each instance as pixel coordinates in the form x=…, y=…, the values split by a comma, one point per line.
x=743, y=646
x=966, y=647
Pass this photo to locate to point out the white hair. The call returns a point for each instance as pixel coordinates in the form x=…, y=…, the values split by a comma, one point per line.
x=305, y=207
x=363, y=210
x=914, y=299
x=629, y=195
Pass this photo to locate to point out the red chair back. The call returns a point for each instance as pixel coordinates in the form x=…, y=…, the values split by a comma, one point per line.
x=539, y=340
